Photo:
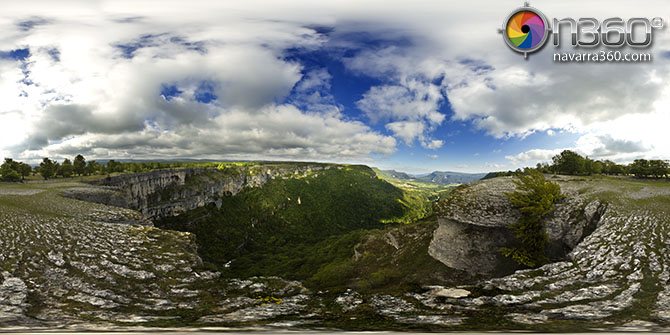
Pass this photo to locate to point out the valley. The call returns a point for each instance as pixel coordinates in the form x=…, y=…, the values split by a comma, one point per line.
x=310, y=245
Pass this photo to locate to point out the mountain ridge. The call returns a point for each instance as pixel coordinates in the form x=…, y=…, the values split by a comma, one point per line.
x=438, y=177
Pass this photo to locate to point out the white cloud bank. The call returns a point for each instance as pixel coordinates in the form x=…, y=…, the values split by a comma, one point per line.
x=80, y=91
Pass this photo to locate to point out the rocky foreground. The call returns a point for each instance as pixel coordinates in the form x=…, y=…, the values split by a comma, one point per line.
x=615, y=277
x=67, y=263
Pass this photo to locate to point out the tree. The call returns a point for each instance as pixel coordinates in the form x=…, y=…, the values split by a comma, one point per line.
x=10, y=170
x=7, y=172
x=597, y=167
x=47, y=168
x=114, y=166
x=658, y=168
x=534, y=197
x=65, y=169
x=79, y=165
x=25, y=170
x=640, y=168
x=569, y=162
x=617, y=169
x=6, y=167
x=92, y=167
x=588, y=166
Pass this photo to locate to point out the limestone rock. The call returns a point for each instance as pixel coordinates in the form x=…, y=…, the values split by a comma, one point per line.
x=349, y=300
x=13, y=295
x=439, y=291
x=473, y=226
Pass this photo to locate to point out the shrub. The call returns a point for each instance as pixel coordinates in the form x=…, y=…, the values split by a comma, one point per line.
x=11, y=175
x=535, y=197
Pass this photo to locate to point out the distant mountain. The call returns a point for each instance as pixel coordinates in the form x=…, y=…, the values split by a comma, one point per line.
x=448, y=177
x=436, y=177
x=398, y=175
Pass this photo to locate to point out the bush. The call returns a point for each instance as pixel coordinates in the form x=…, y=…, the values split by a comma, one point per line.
x=11, y=175
x=535, y=197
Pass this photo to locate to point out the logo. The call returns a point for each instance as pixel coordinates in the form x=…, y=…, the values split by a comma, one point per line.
x=525, y=30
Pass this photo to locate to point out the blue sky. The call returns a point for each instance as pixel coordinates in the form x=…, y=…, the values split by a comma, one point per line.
x=416, y=87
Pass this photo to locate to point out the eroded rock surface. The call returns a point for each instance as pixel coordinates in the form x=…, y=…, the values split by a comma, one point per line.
x=63, y=260
x=474, y=219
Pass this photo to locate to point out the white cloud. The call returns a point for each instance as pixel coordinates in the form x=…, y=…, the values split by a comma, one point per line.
x=518, y=100
x=274, y=132
x=494, y=165
x=507, y=96
x=432, y=144
x=534, y=156
x=406, y=130
x=86, y=92
x=96, y=76
x=410, y=110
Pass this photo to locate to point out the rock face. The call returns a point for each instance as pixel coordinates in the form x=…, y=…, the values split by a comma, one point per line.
x=13, y=295
x=477, y=254
x=473, y=223
x=170, y=192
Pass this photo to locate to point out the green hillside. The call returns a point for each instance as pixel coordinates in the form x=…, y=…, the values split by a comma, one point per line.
x=294, y=227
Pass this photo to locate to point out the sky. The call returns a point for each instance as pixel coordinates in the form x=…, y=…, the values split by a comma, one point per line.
x=415, y=86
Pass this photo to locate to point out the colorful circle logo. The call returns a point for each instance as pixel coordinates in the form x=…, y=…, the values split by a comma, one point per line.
x=525, y=30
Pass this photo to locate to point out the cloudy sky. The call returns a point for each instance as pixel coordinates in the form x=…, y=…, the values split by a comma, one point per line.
x=411, y=85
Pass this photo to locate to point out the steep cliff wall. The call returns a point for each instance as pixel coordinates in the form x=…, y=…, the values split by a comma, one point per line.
x=170, y=192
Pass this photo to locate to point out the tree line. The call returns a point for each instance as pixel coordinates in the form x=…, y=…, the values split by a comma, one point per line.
x=14, y=171
x=569, y=162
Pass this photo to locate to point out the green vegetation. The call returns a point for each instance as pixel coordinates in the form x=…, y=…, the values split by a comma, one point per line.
x=418, y=195
x=65, y=170
x=535, y=197
x=571, y=163
x=649, y=168
x=296, y=227
x=79, y=165
x=14, y=171
x=47, y=168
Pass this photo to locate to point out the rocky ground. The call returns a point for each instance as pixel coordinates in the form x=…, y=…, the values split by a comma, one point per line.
x=64, y=261
x=616, y=278
x=69, y=263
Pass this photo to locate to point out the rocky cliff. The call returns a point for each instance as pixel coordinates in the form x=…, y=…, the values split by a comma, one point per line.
x=473, y=223
x=170, y=192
